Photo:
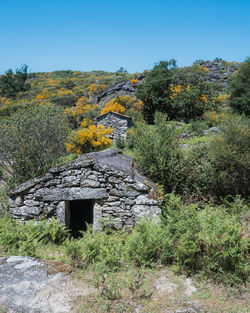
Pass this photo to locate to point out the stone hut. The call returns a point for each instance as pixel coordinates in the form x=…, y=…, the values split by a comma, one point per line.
x=119, y=122
x=94, y=187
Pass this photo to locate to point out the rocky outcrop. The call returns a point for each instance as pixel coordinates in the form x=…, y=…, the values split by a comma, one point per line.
x=219, y=70
x=119, y=89
x=118, y=190
x=26, y=286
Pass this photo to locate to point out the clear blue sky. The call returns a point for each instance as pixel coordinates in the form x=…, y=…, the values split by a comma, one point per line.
x=105, y=35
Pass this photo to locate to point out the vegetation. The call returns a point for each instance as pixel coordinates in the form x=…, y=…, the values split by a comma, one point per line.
x=89, y=138
x=30, y=140
x=240, y=89
x=181, y=93
x=11, y=84
x=155, y=91
x=188, y=237
x=202, y=175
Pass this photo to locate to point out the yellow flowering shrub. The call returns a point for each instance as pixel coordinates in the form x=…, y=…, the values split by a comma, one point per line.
x=82, y=106
x=114, y=106
x=91, y=138
x=93, y=88
x=221, y=98
x=176, y=89
x=204, y=99
x=129, y=102
x=134, y=81
x=4, y=101
x=213, y=118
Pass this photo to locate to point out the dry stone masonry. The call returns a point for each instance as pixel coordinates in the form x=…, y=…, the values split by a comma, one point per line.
x=100, y=186
x=118, y=122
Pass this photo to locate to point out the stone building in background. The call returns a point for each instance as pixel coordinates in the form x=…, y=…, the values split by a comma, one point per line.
x=119, y=122
x=95, y=187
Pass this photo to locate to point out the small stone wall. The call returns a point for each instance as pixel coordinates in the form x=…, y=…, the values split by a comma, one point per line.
x=117, y=196
x=118, y=122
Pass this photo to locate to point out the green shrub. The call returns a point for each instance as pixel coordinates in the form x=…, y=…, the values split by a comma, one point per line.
x=156, y=151
x=145, y=244
x=120, y=143
x=223, y=250
x=194, y=180
x=198, y=126
x=102, y=248
x=11, y=84
x=3, y=201
x=155, y=92
x=74, y=251
x=240, y=89
x=23, y=239
x=48, y=230
x=229, y=153
x=15, y=240
x=208, y=240
x=30, y=140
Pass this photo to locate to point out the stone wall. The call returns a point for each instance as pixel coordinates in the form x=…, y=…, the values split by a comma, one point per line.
x=117, y=196
x=119, y=123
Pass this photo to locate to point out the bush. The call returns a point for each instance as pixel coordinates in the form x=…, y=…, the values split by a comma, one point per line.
x=229, y=153
x=193, y=181
x=89, y=138
x=156, y=151
x=120, y=143
x=103, y=248
x=16, y=239
x=145, y=244
x=240, y=89
x=30, y=140
x=208, y=240
x=3, y=201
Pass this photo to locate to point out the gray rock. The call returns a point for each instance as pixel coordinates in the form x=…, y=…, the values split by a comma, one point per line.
x=214, y=130
x=75, y=164
x=31, y=203
x=139, y=187
x=74, y=193
x=52, y=182
x=25, y=212
x=144, y=200
x=30, y=184
x=90, y=183
x=184, y=135
x=26, y=287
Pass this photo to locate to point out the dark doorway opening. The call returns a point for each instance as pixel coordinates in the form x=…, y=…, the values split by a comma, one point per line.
x=80, y=213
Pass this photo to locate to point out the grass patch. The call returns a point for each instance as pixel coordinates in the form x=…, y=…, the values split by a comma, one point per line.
x=195, y=140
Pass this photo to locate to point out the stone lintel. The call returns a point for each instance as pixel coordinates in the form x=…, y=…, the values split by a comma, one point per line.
x=68, y=194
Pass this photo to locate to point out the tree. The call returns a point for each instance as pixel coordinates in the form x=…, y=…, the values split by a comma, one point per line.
x=11, y=84
x=30, y=140
x=190, y=95
x=240, y=89
x=155, y=91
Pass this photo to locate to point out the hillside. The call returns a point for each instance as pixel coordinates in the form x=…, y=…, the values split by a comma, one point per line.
x=189, y=139
x=64, y=88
